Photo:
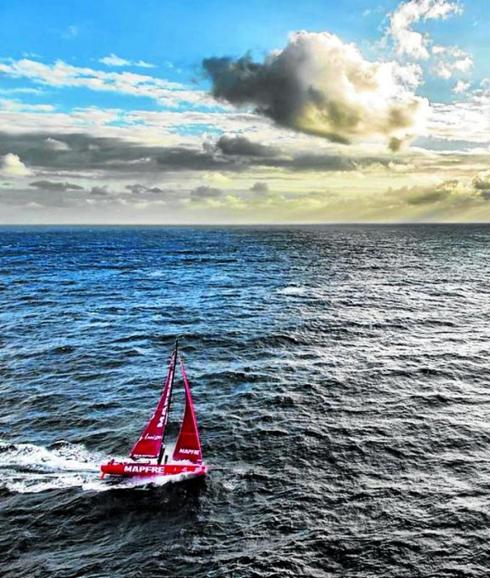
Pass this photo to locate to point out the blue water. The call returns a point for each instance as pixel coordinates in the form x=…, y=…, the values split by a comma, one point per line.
x=341, y=382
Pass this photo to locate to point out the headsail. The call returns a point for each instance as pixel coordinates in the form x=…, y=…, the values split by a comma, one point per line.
x=151, y=439
x=188, y=445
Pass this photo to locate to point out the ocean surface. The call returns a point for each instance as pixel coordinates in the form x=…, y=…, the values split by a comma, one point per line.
x=341, y=381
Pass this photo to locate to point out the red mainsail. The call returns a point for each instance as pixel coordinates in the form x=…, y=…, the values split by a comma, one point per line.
x=188, y=446
x=150, y=441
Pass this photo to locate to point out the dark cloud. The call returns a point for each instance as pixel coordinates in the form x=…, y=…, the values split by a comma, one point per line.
x=424, y=195
x=452, y=192
x=268, y=86
x=138, y=189
x=99, y=191
x=240, y=152
x=55, y=186
x=260, y=187
x=82, y=152
x=203, y=193
x=173, y=159
x=319, y=162
x=427, y=196
x=482, y=183
x=242, y=146
x=117, y=156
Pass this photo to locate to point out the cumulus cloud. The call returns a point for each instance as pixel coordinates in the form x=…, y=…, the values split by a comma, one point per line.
x=461, y=86
x=12, y=166
x=447, y=61
x=408, y=41
x=322, y=86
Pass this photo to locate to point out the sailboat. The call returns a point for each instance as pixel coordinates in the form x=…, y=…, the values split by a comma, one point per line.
x=150, y=456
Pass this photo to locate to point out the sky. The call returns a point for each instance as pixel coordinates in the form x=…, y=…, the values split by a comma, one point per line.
x=171, y=112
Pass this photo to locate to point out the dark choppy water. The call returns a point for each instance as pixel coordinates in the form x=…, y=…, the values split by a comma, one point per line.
x=341, y=377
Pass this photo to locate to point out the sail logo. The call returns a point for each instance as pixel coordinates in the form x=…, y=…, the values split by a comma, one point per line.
x=188, y=451
x=163, y=414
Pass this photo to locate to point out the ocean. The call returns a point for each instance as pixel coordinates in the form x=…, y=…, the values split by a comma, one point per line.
x=341, y=381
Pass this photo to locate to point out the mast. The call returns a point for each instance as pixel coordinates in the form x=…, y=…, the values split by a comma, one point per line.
x=162, y=446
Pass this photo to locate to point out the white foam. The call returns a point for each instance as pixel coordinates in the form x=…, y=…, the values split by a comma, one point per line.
x=294, y=290
x=28, y=468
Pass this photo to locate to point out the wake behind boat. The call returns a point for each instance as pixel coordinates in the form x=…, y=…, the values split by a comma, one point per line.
x=186, y=456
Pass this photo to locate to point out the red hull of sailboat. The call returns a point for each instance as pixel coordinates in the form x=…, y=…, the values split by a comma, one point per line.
x=148, y=470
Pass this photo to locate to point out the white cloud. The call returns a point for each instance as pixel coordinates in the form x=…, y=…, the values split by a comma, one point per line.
x=114, y=60
x=61, y=74
x=467, y=120
x=450, y=60
x=12, y=166
x=11, y=104
x=143, y=64
x=461, y=86
x=408, y=41
x=53, y=144
x=21, y=90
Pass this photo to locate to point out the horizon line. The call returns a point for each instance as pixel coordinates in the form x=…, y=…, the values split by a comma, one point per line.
x=211, y=224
